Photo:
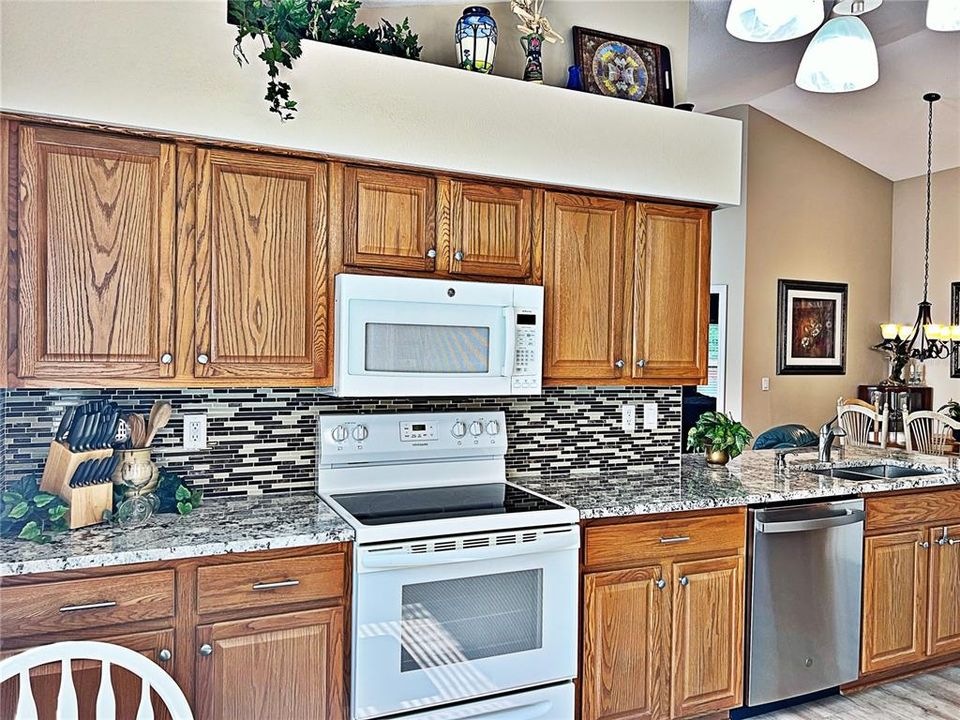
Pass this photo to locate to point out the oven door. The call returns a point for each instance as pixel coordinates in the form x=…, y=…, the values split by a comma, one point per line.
x=441, y=621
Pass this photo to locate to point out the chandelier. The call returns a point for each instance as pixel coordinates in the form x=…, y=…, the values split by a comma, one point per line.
x=925, y=339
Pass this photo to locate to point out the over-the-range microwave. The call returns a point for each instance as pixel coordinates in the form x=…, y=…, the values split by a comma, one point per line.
x=415, y=337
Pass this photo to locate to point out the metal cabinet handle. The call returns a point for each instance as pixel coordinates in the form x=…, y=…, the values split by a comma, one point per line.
x=684, y=582
x=166, y=358
x=619, y=363
x=165, y=655
x=458, y=255
x=432, y=253
x=275, y=585
x=925, y=545
x=947, y=540
x=641, y=363
x=206, y=649
x=661, y=584
x=677, y=539
x=89, y=606
x=203, y=358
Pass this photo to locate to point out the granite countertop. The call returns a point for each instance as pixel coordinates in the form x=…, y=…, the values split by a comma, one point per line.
x=750, y=479
x=218, y=527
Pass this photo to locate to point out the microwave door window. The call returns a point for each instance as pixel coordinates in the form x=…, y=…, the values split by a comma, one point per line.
x=433, y=349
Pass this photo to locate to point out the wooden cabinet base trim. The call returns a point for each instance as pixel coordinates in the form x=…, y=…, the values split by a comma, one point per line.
x=882, y=677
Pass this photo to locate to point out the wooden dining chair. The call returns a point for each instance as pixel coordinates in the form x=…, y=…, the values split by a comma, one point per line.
x=929, y=432
x=863, y=423
x=152, y=677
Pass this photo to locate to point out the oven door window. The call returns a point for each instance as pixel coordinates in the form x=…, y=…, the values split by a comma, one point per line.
x=453, y=621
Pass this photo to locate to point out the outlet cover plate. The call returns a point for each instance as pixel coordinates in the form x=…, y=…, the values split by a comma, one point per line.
x=650, y=416
x=194, y=432
x=628, y=418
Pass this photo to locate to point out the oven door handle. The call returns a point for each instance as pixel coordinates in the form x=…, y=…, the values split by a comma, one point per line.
x=524, y=712
x=391, y=561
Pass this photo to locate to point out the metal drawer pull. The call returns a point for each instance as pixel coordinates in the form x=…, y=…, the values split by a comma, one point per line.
x=925, y=545
x=676, y=539
x=206, y=649
x=165, y=655
x=89, y=606
x=275, y=585
x=661, y=584
x=684, y=582
x=948, y=541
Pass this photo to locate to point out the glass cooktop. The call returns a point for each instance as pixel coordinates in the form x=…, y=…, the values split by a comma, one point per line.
x=439, y=503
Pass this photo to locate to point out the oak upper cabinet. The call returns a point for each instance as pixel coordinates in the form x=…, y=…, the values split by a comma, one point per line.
x=281, y=666
x=894, y=599
x=491, y=230
x=389, y=220
x=262, y=271
x=943, y=630
x=583, y=287
x=707, y=654
x=625, y=644
x=95, y=253
x=671, y=303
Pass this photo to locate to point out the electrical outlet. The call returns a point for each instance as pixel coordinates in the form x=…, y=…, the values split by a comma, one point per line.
x=650, y=416
x=194, y=432
x=765, y=384
x=628, y=418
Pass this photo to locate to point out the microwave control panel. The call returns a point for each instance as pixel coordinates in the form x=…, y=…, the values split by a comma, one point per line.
x=529, y=352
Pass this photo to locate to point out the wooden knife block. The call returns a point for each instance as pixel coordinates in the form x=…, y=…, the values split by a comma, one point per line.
x=86, y=503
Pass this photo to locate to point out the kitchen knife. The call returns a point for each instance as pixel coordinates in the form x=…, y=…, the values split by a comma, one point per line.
x=77, y=426
x=64, y=428
x=79, y=474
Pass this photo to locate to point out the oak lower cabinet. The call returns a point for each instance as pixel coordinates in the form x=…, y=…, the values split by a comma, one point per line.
x=94, y=256
x=278, y=666
x=261, y=267
x=663, y=632
x=911, y=594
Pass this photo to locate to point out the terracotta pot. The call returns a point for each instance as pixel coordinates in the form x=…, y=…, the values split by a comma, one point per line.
x=136, y=471
x=717, y=457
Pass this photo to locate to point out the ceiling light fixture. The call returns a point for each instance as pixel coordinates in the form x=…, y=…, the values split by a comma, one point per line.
x=943, y=15
x=773, y=20
x=842, y=57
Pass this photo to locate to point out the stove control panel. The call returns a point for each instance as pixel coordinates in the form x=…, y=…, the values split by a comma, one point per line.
x=410, y=437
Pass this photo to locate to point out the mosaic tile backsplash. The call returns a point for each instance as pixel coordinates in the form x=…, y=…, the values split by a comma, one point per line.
x=263, y=440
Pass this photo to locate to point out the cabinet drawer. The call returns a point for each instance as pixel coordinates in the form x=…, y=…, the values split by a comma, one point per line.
x=899, y=511
x=94, y=602
x=657, y=539
x=270, y=582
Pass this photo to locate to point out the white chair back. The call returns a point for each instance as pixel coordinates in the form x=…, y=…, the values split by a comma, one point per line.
x=152, y=677
x=928, y=431
x=863, y=423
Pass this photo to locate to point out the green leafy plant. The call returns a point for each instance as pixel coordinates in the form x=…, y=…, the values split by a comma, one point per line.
x=280, y=25
x=29, y=514
x=174, y=496
x=951, y=409
x=719, y=432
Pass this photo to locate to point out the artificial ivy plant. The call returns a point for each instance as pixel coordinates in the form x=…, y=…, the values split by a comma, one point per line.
x=281, y=24
x=27, y=513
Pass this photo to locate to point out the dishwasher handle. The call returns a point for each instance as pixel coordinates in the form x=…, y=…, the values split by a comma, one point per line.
x=849, y=517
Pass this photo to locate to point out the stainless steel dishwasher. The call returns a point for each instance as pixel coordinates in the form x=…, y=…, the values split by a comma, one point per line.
x=806, y=568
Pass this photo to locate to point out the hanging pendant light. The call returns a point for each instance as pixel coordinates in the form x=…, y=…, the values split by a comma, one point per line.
x=925, y=339
x=773, y=20
x=842, y=57
x=943, y=15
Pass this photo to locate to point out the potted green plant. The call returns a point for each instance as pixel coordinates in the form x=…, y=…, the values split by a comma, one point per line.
x=719, y=436
x=952, y=410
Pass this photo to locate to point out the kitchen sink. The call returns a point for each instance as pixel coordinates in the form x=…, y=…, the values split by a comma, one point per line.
x=864, y=473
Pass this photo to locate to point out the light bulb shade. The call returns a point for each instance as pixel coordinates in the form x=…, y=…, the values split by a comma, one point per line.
x=476, y=39
x=932, y=331
x=904, y=332
x=943, y=15
x=955, y=333
x=888, y=330
x=842, y=57
x=773, y=20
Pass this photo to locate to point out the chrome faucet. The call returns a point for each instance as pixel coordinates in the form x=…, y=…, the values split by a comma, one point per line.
x=825, y=444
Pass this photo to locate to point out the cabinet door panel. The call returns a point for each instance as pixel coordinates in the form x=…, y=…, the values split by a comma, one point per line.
x=96, y=246
x=625, y=636
x=45, y=681
x=707, y=636
x=491, y=227
x=943, y=632
x=583, y=287
x=261, y=266
x=672, y=292
x=282, y=666
x=389, y=220
x=894, y=600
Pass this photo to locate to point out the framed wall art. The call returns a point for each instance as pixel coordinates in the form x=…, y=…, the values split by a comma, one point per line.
x=623, y=67
x=955, y=320
x=811, y=328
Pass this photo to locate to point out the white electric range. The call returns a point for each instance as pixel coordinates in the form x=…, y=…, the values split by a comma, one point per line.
x=465, y=585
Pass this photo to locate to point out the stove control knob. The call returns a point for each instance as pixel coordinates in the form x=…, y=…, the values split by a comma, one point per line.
x=459, y=429
x=493, y=427
x=339, y=433
x=476, y=428
x=360, y=433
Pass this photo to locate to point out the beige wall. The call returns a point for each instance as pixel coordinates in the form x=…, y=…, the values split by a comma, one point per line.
x=906, y=279
x=812, y=214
